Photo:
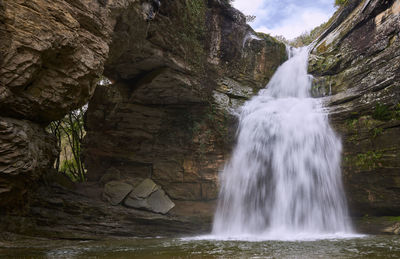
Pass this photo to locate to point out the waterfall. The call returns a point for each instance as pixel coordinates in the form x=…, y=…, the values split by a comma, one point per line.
x=284, y=177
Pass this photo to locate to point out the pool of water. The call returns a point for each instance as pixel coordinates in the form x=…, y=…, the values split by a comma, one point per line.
x=360, y=247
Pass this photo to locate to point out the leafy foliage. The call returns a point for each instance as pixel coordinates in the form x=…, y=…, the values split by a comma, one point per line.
x=382, y=112
x=369, y=160
x=340, y=2
x=69, y=133
x=308, y=37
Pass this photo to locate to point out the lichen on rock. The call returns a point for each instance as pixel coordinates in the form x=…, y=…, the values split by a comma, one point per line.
x=357, y=68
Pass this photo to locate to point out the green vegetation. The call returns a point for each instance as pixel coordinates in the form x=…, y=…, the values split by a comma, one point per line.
x=377, y=132
x=368, y=160
x=218, y=120
x=193, y=32
x=69, y=133
x=210, y=129
x=396, y=113
x=382, y=112
x=394, y=218
x=340, y=2
x=351, y=123
x=385, y=113
x=308, y=37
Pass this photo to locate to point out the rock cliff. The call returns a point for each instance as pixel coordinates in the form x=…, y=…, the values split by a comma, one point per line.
x=357, y=67
x=176, y=79
x=51, y=56
x=178, y=70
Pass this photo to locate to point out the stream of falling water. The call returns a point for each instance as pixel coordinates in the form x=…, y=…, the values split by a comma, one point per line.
x=283, y=180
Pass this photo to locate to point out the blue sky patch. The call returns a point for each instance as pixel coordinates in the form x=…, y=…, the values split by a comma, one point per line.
x=288, y=18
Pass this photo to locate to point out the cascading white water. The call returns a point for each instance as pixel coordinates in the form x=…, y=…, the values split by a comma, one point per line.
x=283, y=178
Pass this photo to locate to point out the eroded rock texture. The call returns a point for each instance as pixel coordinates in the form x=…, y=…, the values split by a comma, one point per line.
x=175, y=80
x=52, y=54
x=26, y=152
x=178, y=70
x=358, y=65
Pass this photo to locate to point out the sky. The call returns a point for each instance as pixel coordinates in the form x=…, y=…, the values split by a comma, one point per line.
x=288, y=18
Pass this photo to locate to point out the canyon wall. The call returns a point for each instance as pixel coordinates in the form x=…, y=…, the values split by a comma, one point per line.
x=51, y=57
x=179, y=69
x=175, y=81
x=356, y=65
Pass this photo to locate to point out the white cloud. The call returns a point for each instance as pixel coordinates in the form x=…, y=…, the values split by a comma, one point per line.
x=300, y=22
x=288, y=18
x=248, y=6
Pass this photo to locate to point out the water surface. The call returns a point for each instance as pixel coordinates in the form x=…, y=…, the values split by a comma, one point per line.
x=365, y=247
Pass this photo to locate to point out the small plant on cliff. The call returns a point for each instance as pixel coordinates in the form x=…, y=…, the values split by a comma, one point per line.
x=369, y=160
x=340, y=2
x=397, y=112
x=69, y=133
x=377, y=132
x=192, y=33
x=308, y=37
x=382, y=112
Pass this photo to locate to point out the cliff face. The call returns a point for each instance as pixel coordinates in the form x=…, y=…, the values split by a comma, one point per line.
x=175, y=79
x=357, y=66
x=178, y=70
x=51, y=55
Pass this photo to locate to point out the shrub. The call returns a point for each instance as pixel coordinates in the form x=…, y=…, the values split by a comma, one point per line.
x=340, y=2
x=382, y=112
x=69, y=133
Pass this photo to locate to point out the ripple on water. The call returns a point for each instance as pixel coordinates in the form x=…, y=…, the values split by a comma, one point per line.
x=209, y=247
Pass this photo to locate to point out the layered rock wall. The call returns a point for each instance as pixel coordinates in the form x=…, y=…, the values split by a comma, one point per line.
x=52, y=54
x=176, y=70
x=357, y=66
x=176, y=79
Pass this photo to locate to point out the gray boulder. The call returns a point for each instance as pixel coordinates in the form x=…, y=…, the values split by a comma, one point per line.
x=149, y=196
x=116, y=191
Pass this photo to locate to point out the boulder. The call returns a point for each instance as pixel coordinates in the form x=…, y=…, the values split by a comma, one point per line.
x=160, y=202
x=116, y=191
x=149, y=196
x=144, y=189
x=394, y=229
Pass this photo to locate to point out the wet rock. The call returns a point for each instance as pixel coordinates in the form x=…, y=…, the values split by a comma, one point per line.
x=357, y=68
x=394, y=229
x=70, y=215
x=234, y=89
x=377, y=225
x=116, y=191
x=149, y=196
